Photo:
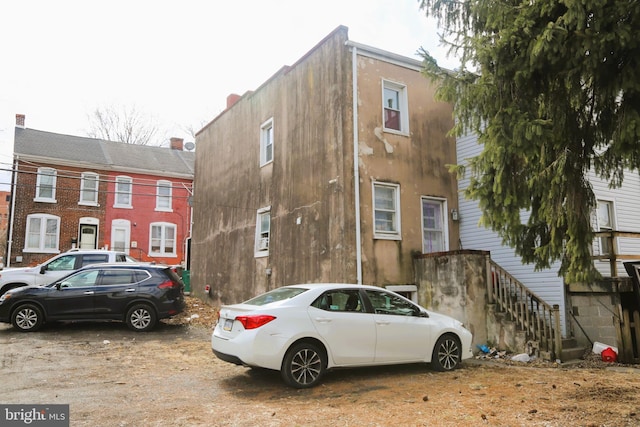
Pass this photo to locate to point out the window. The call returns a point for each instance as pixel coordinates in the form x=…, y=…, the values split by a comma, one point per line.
x=386, y=211
x=46, y=185
x=63, y=263
x=394, y=108
x=340, y=300
x=43, y=233
x=266, y=142
x=263, y=231
x=386, y=303
x=163, y=239
x=605, y=223
x=81, y=280
x=89, y=189
x=89, y=259
x=434, y=226
x=163, y=196
x=123, y=192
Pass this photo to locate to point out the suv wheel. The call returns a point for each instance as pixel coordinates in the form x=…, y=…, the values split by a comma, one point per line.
x=141, y=318
x=27, y=318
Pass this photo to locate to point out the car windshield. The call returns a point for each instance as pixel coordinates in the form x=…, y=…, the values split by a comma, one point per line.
x=275, y=295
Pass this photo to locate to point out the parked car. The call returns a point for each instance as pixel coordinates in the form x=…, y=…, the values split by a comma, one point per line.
x=57, y=267
x=304, y=330
x=138, y=294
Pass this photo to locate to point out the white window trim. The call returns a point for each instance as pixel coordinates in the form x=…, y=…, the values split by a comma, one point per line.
x=386, y=235
x=614, y=224
x=83, y=179
x=163, y=226
x=164, y=184
x=258, y=249
x=445, y=220
x=125, y=226
x=43, y=225
x=116, y=192
x=403, y=106
x=46, y=172
x=263, y=141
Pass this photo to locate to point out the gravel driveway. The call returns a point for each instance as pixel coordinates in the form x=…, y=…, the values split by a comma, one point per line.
x=111, y=376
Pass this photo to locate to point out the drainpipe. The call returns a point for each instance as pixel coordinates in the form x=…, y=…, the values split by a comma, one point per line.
x=14, y=183
x=356, y=170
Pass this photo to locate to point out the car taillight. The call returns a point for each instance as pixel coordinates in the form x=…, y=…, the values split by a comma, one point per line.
x=255, y=321
x=166, y=284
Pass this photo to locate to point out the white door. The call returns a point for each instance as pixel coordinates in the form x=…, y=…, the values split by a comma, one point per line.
x=88, y=236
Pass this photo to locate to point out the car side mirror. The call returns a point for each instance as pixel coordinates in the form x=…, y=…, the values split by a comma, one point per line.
x=423, y=314
x=43, y=269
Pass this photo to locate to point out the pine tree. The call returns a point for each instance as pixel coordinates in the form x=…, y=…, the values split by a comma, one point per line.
x=552, y=89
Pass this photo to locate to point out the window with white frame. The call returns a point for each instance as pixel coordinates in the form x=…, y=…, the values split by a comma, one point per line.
x=123, y=192
x=43, y=233
x=163, y=239
x=395, y=113
x=263, y=231
x=89, y=189
x=163, y=196
x=266, y=142
x=46, y=185
x=386, y=211
x=434, y=225
x=605, y=222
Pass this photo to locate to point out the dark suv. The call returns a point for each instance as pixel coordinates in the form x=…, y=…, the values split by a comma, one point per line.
x=138, y=294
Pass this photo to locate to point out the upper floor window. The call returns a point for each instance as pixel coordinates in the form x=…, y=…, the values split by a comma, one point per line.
x=395, y=113
x=163, y=196
x=43, y=233
x=434, y=225
x=605, y=222
x=386, y=210
x=263, y=231
x=266, y=142
x=89, y=189
x=46, y=185
x=163, y=239
x=123, y=192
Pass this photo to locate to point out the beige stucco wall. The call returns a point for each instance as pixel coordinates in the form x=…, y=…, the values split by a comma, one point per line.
x=417, y=161
x=308, y=186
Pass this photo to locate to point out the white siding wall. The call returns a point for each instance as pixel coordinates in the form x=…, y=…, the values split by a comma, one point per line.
x=546, y=284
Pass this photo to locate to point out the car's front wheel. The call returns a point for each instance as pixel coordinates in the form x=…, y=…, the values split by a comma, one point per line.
x=27, y=318
x=303, y=365
x=447, y=353
x=141, y=318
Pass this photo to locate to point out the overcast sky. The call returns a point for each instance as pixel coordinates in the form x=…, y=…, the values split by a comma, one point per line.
x=175, y=61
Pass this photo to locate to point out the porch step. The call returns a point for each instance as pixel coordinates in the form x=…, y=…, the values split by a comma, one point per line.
x=571, y=350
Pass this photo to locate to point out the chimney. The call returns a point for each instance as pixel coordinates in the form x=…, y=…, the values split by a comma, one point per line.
x=232, y=99
x=20, y=120
x=177, y=144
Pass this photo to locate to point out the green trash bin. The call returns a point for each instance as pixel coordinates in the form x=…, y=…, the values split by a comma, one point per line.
x=186, y=279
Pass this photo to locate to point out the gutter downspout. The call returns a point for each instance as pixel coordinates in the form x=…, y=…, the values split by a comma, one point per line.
x=14, y=178
x=356, y=170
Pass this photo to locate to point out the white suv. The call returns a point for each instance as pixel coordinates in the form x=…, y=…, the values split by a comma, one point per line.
x=56, y=267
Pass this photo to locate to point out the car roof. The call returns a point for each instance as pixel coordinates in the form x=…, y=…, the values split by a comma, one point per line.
x=328, y=286
x=125, y=265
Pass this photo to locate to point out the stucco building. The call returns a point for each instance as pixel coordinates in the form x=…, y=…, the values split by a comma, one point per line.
x=333, y=170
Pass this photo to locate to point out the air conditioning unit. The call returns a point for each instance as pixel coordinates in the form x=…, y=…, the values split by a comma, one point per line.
x=263, y=244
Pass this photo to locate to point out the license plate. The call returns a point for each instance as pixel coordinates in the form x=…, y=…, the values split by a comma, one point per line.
x=228, y=324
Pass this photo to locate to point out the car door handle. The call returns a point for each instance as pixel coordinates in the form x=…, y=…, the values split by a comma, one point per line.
x=130, y=290
x=88, y=292
x=382, y=323
x=323, y=320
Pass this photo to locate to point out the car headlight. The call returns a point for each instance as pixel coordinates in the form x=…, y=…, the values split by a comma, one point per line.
x=4, y=297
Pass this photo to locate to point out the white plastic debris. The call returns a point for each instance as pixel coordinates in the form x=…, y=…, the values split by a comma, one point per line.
x=522, y=357
x=598, y=347
x=105, y=342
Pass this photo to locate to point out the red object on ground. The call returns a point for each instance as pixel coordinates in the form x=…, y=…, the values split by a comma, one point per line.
x=609, y=355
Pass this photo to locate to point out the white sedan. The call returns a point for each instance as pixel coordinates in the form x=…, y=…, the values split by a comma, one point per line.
x=304, y=330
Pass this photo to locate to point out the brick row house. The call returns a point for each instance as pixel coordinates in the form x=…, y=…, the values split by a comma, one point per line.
x=333, y=170
x=76, y=192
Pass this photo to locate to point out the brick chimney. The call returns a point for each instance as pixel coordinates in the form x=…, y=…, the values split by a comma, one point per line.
x=177, y=144
x=232, y=99
x=20, y=120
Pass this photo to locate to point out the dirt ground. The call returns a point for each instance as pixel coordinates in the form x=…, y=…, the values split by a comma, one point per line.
x=169, y=377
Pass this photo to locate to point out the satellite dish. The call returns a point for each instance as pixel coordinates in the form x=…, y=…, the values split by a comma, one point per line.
x=189, y=146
